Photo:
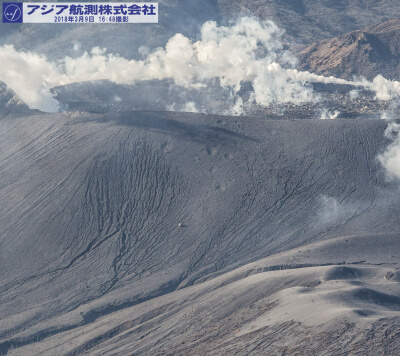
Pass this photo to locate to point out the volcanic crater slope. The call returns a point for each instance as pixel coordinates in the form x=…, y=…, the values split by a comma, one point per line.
x=119, y=229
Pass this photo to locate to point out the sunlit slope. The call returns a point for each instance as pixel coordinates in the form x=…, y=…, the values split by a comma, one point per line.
x=90, y=204
x=338, y=296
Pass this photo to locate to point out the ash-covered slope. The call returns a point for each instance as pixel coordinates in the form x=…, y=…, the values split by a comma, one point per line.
x=10, y=103
x=102, y=212
x=367, y=52
x=335, y=297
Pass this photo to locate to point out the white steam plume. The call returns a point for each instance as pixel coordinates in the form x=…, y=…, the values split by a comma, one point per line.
x=188, y=107
x=386, y=116
x=390, y=159
x=354, y=94
x=327, y=115
x=331, y=211
x=248, y=51
x=30, y=76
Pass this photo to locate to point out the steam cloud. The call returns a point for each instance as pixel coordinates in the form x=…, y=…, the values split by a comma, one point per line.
x=390, y=159
x=248, y=51
x=30, y=76
x=331, y=211
x=327, y=115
